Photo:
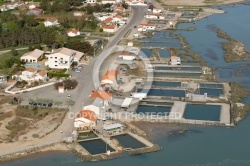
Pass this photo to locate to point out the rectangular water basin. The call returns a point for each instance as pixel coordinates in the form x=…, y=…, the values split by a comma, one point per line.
x=127, y=141
x=96, y=146
x=202, y=112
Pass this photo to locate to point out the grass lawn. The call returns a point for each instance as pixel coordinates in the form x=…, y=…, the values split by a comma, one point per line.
x=8, y=55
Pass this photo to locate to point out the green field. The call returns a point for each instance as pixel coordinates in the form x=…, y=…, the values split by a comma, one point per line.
x=6, y=56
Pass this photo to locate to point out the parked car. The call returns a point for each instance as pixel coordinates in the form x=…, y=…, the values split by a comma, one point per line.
x=77, y=70
x=50, y=105
x=68, y=96
x=79, y=67
x=44, y=105
x=34, y=104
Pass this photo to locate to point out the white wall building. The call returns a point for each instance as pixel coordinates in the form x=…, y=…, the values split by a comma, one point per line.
x=175, y=60
x=73, y=32
x=108, y=1
x=51, y=22
x=91, y=1
x=31, y=74
x=63, y=58
x=157, y=10
x=146, y=27
x=127, y=56
x=32, y=57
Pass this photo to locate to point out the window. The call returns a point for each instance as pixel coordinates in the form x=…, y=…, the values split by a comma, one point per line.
x=55, y=61
x=51, y=57
x=55, y=57
x=56, y=65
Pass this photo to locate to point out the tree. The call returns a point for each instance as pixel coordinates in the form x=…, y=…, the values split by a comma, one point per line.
x=14, y=52
x=82, y=46
x=125, y=5
x=58, y=103
x=69, y=102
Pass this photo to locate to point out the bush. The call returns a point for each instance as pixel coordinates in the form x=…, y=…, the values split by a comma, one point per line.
x=58, y=75
x=68, y=84
x=14, y=52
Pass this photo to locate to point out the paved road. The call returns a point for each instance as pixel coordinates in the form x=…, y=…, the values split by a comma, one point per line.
x=138, y=13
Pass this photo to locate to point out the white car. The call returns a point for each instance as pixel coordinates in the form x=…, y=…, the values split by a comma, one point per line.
x=68, y=96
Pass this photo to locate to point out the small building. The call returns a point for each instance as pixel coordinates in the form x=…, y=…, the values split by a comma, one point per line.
x=103, y=95
x=109, y=28
x=112, y=129
x=109, y=77
x=108, y=1
x=154, y=16
x=61, y=89
x=85, y=118
x=35, y=11
x=32, y=57
x=3, y=79
x=175, y=60
x=127, y=56
x=51, y=22
x=78, y=13
x=157, y=10
x=91, y=1
x=146, y=27
x=73, y=32
x=32, y=6
x=130, y=44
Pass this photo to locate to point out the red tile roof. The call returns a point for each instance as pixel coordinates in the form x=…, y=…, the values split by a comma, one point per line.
x=110, y=75
x=107, y=20
x=87, y=114
x=101, y=94
x=30, y=69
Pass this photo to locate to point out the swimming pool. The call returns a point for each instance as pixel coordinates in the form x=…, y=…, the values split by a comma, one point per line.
x=96, y=146
x=127, y=141
x=202, y=112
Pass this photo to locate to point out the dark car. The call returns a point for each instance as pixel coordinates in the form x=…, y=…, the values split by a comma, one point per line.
x=135, y=26
x=31, y=103
x=34, y=104
x=44, y=105
x=50, y=105
x=39, y=104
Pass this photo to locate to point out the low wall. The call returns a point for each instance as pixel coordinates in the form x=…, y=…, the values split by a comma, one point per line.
x=7, y=90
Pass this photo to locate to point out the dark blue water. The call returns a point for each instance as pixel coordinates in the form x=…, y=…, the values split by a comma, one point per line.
x=164, y=53
x=166, y=84
x=165, y=74
x=204, y=85
x=178, y=68
x=211, y=92
x=153, y=109
x=190, y=63
x=162, y=92
x=97, y=146
x=202, y=112
x=127, y=141
x=145, y=52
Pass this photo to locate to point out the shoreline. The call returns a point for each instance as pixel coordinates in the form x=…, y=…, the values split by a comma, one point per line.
x=61, y=147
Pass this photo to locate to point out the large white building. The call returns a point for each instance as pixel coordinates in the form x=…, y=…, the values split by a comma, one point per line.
x=32, y=57
x=63, y=58
x=146, y=27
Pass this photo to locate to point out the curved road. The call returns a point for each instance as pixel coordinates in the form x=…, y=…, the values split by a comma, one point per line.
x=138, y=13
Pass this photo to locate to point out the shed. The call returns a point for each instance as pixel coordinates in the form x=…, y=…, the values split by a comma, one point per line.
x=113, y=126
x=127, y=101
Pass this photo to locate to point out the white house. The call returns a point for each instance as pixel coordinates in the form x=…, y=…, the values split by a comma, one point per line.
x=3, y=79
x=30, y=75
x=85, y=118
x=108, y=1
x=175, y=60
x=63, y=58
x=32, y=6
x=146, y=27
x=157, y=10
x=32, y=57
x=127, y=56
x=109, y=28
x=154, y=16
x=78, y=13
x=93, y=108
x=73, y=32
x=51, y=22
